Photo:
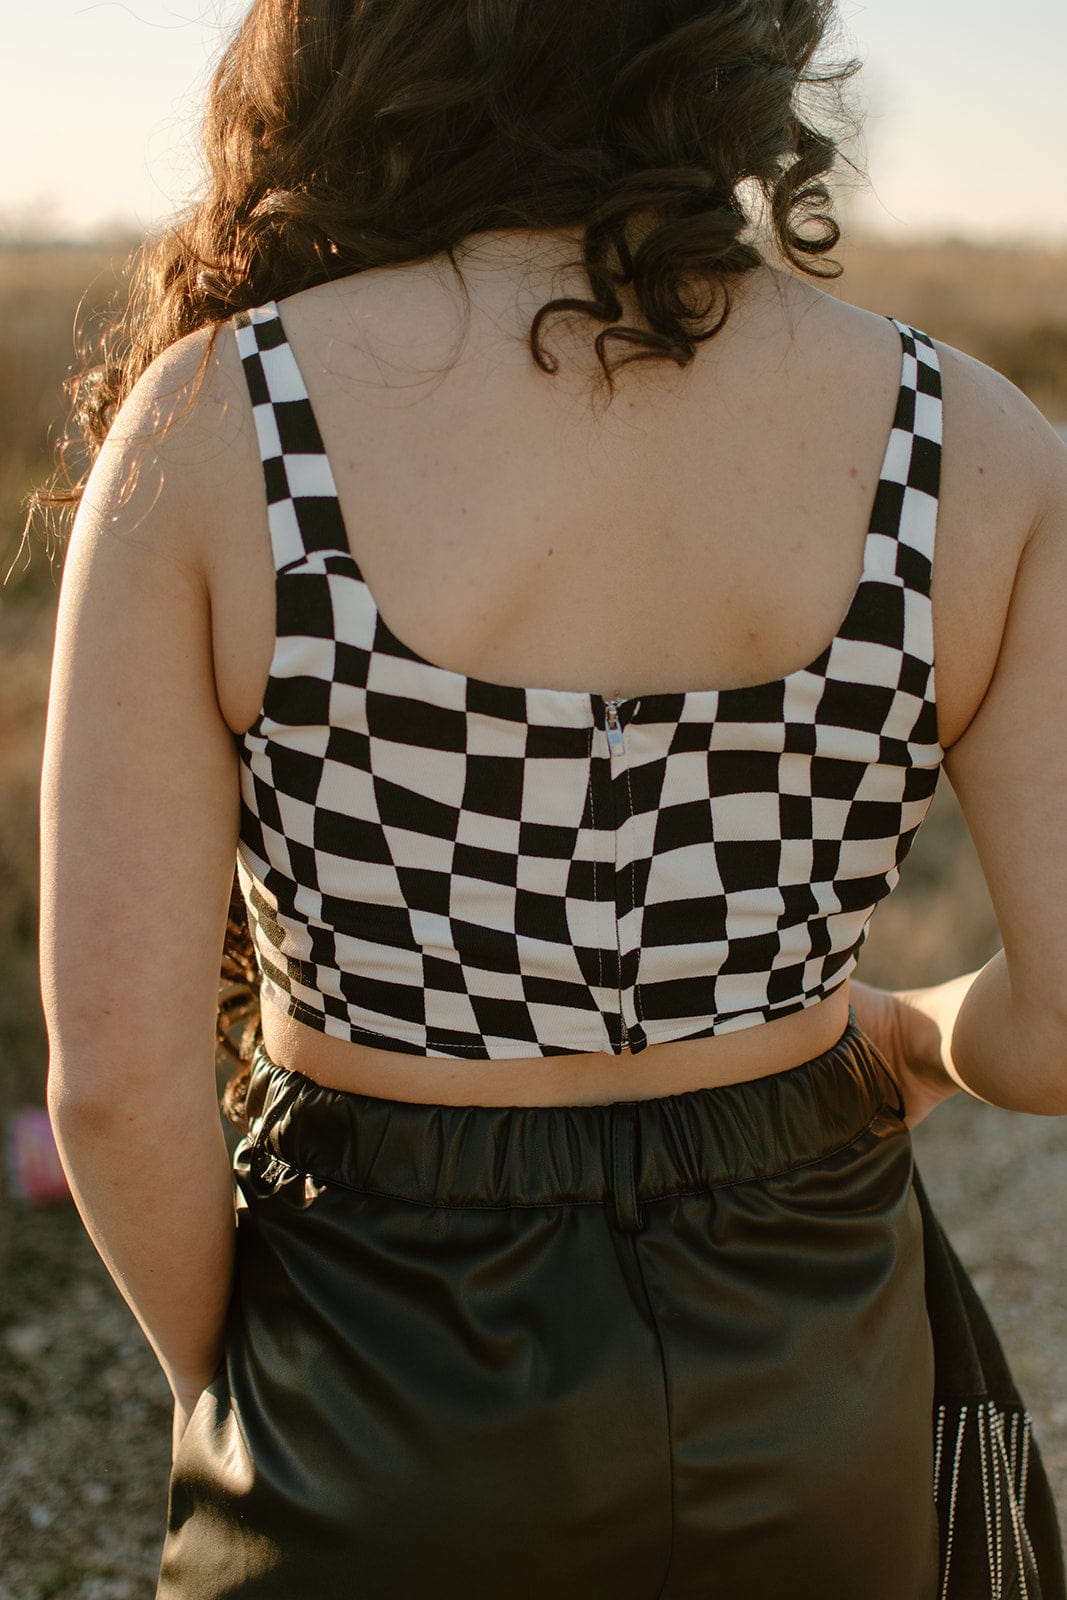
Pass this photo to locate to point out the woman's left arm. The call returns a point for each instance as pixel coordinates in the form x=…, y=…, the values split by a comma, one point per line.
x=139, y=824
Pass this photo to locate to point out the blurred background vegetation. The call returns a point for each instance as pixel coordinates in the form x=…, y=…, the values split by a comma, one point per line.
x=1008, y=308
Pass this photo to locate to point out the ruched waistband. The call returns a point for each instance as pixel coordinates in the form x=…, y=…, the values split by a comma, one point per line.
x=567, y=1154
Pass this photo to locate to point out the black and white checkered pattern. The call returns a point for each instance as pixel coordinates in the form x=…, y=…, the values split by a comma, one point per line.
x=440, y=865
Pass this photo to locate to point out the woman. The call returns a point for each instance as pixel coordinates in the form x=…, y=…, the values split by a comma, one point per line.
x=579, y=1248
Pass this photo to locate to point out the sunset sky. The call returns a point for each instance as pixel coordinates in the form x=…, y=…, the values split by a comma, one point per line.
x=963, y=103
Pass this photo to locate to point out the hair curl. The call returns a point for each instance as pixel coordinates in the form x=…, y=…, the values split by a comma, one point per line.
x=342, y=135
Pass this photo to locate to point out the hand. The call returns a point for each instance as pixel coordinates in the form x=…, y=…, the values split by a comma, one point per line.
x=909, y=1042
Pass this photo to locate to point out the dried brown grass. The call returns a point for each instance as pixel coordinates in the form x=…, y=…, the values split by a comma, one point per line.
x=44, y=294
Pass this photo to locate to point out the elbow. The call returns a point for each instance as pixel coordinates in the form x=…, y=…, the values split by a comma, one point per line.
x=1041, y=1065
x=77, y=1106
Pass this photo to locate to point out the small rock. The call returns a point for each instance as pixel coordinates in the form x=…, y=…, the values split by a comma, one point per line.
x=27, y=1339
x=41, y=1517
x=96, y=1493
x=105, y=1589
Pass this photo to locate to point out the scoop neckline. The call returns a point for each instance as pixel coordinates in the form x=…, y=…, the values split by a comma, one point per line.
x=593, y=697
x=654, y=697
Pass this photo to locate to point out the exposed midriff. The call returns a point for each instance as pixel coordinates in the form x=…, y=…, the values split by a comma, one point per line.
x=590, y=1078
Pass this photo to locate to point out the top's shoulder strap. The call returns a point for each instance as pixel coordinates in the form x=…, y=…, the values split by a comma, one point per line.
x=304, y=512
x=904, y=521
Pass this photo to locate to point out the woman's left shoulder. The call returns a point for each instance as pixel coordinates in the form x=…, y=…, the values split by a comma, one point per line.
x=177, y=442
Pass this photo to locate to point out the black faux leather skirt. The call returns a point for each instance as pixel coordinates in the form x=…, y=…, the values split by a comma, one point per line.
x=666, y=1349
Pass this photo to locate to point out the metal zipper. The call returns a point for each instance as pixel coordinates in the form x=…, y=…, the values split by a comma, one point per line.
x=613, y=727
x=616, y=747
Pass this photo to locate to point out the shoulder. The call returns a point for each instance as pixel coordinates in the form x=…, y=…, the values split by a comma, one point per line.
x=983, y=399
x=1002, y=436
x=1002, y=462
x=180, y=440
x=186, y=396
x=985, y=414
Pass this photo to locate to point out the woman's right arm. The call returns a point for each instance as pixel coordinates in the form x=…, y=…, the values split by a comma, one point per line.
x=1004, y=1028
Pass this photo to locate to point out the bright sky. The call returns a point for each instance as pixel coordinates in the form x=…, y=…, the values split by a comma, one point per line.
x=99, y=103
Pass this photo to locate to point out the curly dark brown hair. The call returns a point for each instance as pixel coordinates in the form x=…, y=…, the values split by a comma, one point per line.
x=341, y=136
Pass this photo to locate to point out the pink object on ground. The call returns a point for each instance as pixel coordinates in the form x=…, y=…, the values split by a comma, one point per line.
x=34, y=1169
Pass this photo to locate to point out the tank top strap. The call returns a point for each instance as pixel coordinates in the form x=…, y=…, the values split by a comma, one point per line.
x=302, y=504
x=900, y=544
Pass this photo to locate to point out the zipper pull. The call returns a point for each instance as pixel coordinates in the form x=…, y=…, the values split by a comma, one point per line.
x=613, y=728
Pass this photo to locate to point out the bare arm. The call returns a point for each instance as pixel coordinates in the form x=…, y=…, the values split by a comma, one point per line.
x=1003, y=1029
x=139, y=823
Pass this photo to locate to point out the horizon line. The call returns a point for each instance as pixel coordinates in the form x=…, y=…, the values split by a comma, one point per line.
x=120, y=234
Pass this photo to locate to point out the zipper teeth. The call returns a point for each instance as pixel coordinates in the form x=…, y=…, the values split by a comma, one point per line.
x=611, y=713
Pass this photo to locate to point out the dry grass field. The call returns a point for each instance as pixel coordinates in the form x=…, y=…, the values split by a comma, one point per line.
x=84, y=1424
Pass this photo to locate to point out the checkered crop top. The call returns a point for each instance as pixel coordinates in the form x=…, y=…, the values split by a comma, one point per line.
x=445, y=866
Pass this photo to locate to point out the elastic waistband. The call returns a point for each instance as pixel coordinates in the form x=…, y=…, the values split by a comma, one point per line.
x=627, y=1151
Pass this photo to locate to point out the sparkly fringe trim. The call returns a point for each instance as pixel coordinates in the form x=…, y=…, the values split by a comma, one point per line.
x=981, y=1472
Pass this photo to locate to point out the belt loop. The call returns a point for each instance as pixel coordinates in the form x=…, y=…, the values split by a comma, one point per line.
x=624, y=1166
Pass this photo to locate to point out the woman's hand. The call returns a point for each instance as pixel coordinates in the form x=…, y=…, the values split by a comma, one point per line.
x=910, y=1043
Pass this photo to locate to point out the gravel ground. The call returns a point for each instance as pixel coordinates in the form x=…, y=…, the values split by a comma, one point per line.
x=84, y=1414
